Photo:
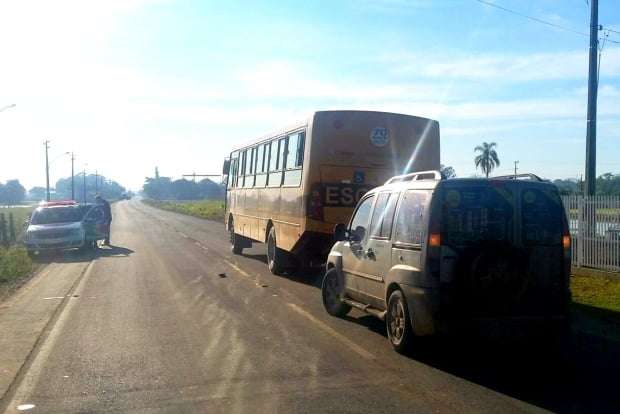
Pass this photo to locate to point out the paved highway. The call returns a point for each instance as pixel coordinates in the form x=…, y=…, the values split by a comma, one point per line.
x=168, y=320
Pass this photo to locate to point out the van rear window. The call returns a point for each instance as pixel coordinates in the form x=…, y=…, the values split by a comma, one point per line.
x=541, y=214
x=477, y=214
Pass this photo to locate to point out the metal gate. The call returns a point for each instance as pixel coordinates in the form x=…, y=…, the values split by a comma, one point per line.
x=595, y=231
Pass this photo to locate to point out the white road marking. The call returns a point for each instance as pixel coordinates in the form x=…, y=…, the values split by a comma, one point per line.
x=24, y=407
x=54, y=297
x=238, y=269
x=352, y=345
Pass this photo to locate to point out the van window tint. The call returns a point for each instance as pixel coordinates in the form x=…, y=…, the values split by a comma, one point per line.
x=383, y=215
x=411, y=218
x=541, y=214
x=361, y=219
x=477, y=214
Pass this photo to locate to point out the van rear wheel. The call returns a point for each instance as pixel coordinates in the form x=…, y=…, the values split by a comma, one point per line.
x=397, y=321
x=275, y=255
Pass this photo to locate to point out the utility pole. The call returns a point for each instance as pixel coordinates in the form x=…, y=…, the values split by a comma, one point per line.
x=47, y=171
x=516, y=168
x=84, y=185
x=590, y=184
x=96, y=182
x=72, y=177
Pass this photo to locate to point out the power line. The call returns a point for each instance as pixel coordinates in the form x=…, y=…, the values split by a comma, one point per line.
x=536, y=19
x=613, y=31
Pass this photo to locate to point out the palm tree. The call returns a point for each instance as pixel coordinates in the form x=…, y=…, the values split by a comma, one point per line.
x=487, y=160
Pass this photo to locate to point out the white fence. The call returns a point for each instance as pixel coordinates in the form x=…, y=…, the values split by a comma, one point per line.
x=595, y=231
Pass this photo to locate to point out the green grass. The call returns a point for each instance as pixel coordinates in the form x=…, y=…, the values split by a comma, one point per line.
x=207, y=209
x=20, y=214
x=597, y=292
x=14, y=264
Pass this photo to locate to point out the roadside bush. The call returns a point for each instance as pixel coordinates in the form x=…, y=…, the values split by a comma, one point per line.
x=207, y=209
x=14, y=263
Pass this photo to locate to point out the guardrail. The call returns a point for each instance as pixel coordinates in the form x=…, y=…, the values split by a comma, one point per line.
x=594, y=224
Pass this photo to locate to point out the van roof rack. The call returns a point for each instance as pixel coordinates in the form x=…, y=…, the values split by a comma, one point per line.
x=419, y=175
x=530, y=176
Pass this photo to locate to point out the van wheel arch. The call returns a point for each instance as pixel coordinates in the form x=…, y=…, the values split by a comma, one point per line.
x=391, y=288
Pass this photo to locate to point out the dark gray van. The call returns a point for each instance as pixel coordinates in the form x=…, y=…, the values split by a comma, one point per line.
x=430, y=256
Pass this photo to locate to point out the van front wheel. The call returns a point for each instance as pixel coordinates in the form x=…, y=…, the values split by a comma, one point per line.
x=397, y=321
x=332, y=292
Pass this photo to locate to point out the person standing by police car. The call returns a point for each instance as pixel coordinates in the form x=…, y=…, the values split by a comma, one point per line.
x=107, y=214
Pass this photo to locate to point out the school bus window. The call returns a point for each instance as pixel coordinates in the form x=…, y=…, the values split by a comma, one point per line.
x=251, y=165
x=261, y=178
x=259, y=159
x=273, y=159
x=292, y=175
x=275, y=174
x=242, y=169
x=300, y=149
x=281, y=153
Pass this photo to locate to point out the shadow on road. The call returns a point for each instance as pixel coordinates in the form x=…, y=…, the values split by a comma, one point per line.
x=65, y=256
x=582, y=378
x=81, y=255
x=112, y=251
x=307, y=276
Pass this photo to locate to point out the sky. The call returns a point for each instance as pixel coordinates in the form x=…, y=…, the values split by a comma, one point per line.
x=128, y=85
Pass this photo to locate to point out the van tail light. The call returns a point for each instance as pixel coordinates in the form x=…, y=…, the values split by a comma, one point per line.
x=566, y=242
x=434, y=240
x=315, y=205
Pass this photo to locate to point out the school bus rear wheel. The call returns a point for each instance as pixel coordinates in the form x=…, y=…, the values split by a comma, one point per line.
x=236, y=242
x=275, y=255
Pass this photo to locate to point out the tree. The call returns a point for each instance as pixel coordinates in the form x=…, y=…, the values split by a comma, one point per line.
x=487, y=159
x=567, y=186
x=12, y=193
x=184, y=190
x=158, y=188
x=108, y=189
x=447, y=171
x=608, y=184
x=37, y=193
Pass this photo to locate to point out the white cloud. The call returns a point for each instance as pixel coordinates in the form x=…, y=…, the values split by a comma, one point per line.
x=508, y=68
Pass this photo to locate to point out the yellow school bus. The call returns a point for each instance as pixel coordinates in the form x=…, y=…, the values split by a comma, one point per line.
x=288, y=189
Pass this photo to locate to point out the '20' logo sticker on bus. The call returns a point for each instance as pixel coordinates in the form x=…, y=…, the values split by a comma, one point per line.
x=379, y=136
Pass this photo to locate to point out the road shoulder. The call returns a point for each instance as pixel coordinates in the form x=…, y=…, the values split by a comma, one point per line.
x=26, y=315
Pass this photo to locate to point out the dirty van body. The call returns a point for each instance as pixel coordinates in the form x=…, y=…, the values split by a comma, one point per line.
x=434, y=256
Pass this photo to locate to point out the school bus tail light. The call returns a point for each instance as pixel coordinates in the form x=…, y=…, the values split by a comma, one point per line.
x=315, y=205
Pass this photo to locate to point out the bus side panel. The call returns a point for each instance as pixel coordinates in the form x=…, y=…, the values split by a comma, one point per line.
x=251, y=204
x=289, y=225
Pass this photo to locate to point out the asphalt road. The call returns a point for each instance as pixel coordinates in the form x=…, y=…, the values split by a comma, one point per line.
x=168, y=320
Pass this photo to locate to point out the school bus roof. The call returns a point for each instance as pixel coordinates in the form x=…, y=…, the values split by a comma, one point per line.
x=301, y=124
